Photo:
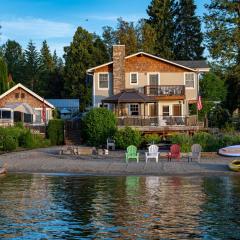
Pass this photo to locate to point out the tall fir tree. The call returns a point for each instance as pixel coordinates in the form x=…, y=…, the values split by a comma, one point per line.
x=100, y=51
x=79, y=56
x=3, y=76
x=161, y=17
x=109, y=39
x=222, y=22
x=14, y=57
x=188, y=37
x=32, y=67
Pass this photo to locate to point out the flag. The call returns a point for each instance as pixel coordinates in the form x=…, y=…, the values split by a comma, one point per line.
x=199, y=103
x=44, y=112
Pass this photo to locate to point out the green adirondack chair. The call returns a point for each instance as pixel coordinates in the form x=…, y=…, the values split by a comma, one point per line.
x=132, y=153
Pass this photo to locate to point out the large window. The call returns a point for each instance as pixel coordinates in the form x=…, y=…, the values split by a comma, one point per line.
x=189, y=80
x=165, y=111
x=153, y=79
x=134, y=78
x=6, y=114
x=103, y=80
x=134, y=109
x=38, y=115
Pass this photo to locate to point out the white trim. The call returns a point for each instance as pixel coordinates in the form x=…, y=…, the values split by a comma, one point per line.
x=94, y=91
x=19, y=85
x=194, y=80
x=153, y=73
x=130, y=78
x=147, y=54
x=99, y=81
x=169, y=109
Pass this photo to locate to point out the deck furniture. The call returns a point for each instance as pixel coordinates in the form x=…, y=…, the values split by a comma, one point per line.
x=132, y=153
x=152, y=152
x=196, y=152
x=174, y=152
x=110, y=144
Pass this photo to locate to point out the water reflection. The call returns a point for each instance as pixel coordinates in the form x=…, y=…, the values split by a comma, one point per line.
x=52, y=207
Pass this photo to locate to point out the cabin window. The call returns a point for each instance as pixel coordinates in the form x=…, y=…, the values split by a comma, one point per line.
x=165, y=110
x=6, y=114
x=103, y=80
x=189, y=80
x=153, y=79
x=134, y=109
x=38, y=116
x=134, y=78
x=22, y=95
x=16, y=95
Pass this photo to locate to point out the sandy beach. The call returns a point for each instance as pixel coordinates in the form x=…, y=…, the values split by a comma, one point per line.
x=47, y=160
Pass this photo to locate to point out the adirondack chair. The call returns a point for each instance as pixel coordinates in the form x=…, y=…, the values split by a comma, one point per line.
x=174, y=152
x=196, y=152
x=132, y=153
x=152, y=152
x=110, y=144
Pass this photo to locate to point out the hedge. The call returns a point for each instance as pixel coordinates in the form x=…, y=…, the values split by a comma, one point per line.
x=55, y=131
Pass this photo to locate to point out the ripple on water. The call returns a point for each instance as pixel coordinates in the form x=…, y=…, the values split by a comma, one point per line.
x=87, y=207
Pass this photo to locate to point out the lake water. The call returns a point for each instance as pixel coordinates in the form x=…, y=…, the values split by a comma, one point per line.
x=86, y=207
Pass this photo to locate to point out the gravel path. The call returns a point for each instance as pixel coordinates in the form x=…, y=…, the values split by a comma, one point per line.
x=47, y=160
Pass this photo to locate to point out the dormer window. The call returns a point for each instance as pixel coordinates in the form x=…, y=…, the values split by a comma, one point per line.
x=133, y=78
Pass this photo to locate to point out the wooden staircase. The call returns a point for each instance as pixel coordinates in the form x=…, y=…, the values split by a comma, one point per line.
x=72, y=133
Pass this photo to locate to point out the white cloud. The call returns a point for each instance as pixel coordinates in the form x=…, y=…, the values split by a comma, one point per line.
x=36, y=28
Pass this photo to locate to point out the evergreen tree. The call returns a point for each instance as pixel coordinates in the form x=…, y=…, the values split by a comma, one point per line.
x=3, y=76
x=79, y=56
x=32, y=67
x=161, y=17
x=100, y=51
x=146, y=37
x=187, y=32
x=109, y=39
x=13, y=55
x=223, y=31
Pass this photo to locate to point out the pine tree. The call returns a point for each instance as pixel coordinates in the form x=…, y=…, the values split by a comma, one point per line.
x=223, y=31
x=100, y=51
x=187, y=32
x=109, y=39
x=161, y=15
x=78, y=58
x=13, y=55
x=32, y=66
x=3, y=76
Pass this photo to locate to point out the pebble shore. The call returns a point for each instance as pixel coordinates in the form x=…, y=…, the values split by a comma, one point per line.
x=48, y=160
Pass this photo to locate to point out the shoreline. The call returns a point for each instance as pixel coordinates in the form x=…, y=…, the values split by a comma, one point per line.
x=47, y=161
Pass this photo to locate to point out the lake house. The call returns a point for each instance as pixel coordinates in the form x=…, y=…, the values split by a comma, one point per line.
x=148, y=92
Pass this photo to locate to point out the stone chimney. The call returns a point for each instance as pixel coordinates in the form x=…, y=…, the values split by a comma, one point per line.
x=118, y=68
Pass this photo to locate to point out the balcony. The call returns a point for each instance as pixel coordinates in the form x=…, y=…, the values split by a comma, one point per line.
x=165, y=92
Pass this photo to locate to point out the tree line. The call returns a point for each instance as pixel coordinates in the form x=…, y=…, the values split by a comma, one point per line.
x=172, y=30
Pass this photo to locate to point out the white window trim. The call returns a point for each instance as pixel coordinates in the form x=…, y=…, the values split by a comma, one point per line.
x=130, y=77
x=129, y=109
x=151, y=73
x=194, y=79
x=99, y=81
x=170, y=109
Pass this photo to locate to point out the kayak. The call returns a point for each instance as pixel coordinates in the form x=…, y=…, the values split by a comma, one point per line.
x=235, y=165
x=231, y=151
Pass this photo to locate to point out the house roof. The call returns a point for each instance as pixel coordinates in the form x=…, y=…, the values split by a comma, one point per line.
x=64, y=103
x=146, y=54
x=19, y=85
x=175, y=63
x=129, y=96
x=195, y=64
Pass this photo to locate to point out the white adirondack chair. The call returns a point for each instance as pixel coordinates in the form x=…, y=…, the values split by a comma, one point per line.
x=152, y=152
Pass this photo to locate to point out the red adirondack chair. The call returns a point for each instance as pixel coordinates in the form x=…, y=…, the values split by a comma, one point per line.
x=174, y=152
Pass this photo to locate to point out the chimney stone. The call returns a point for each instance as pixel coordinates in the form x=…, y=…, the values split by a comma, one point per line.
x=118, y=68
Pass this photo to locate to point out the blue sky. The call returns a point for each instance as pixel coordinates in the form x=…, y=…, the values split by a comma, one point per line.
x=57, y=20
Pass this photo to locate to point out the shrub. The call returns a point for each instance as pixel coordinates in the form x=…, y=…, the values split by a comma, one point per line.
x=9, y=143
x=55, y=131
x=127, y=136
x=204, y=139
x=184, y=140
x=98, y=125
x=152, y=138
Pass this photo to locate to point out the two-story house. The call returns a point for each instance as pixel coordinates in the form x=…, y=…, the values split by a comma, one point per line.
x=147, y=91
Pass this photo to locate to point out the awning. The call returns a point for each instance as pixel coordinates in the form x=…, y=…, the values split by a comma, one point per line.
x=20, y=107
x=129, y=96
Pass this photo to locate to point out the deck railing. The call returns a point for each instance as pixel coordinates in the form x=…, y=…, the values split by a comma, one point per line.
x=158, y=121
x=167, y=90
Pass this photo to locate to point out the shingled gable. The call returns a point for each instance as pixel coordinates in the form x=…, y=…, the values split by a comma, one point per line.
x=148, y=55
x=19, y=85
